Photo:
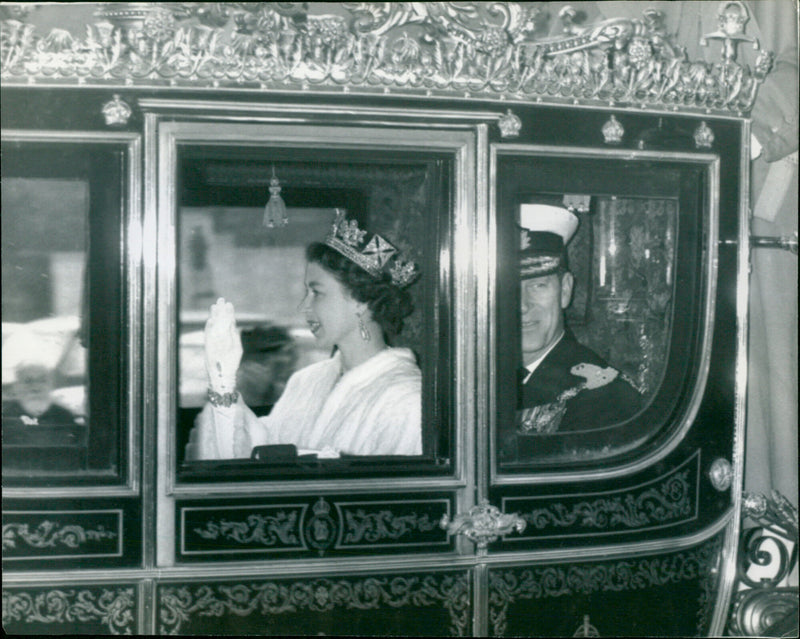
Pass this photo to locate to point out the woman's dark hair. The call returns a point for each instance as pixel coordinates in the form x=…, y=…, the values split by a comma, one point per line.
x=389, y=304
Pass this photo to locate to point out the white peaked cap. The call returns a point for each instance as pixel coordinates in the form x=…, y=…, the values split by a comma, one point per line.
x=553, y=219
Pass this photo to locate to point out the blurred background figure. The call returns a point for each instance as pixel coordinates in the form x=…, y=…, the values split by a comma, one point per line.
x=39, y=433
x=268, y=359
x=31, y=400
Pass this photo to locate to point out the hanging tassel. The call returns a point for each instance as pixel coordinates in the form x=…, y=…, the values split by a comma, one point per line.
x=275, y=211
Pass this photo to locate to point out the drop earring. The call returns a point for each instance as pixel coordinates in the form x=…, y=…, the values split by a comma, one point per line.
x=362, y=328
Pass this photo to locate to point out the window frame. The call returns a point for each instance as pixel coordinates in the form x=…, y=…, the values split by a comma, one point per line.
x=649, y=452
x=164, y=135
x=127, y=480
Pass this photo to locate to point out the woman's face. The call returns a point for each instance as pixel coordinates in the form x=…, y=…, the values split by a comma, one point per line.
x=329, y=309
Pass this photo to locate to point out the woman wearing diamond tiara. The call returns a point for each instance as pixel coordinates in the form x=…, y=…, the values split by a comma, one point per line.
x=364, y=400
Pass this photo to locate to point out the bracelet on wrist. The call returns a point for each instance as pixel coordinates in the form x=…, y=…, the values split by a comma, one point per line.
x=222, y=399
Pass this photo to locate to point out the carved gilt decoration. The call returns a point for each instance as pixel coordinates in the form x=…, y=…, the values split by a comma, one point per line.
x=375, y=527
x=483, y=524
x=775, y=515
x=586, y=629
x=452, y=49
x=49, y=534
x=666, y=501
x=703, y=136
x=116, y=111
x=538, y=582
x=179, y=604
x=720, y=474
x=613, y=131
x=669, y=502
x=113, y=608
x=265, y=530
x=319, y=527
x=764, y=605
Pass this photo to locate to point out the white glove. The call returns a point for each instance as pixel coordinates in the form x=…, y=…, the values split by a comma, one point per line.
x=223, y=348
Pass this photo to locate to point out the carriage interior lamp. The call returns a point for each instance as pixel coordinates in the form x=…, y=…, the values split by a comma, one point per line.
x=275, y=213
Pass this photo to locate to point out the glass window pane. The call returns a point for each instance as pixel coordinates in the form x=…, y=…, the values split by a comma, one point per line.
x=595, y=338
x=60, y=307
x=219, y=244
x=630, y=296
x=227, y=247
x=44, y=360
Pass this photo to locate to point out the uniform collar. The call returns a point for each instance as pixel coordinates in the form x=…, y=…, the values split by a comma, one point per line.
x=535, y=363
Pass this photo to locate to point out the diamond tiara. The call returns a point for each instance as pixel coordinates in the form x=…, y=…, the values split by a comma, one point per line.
x=375, y=255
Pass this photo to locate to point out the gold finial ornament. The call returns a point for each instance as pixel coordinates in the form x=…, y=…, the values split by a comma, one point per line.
x=612, y=131
x=586, y=629
x=703, y=136
x=116, y=111
x=731, y=18
x=509, y=124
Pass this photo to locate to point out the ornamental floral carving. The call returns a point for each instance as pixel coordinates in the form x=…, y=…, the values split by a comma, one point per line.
x=179, y=604
x=111, y=607
x=50, y=534
x=266, y=530
x=460, y=49
x=700, y=564
x=381, y=525
x=671, y=501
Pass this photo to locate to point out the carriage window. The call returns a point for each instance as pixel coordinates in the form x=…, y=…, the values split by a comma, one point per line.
x=61, y=308
x=606, y=294
x=244, y=219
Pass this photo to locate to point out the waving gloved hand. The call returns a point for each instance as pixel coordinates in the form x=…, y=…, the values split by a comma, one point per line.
x=223, y=348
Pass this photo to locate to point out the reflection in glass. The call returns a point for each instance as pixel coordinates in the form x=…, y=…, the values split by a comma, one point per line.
x=44, y=356
x=632, y=270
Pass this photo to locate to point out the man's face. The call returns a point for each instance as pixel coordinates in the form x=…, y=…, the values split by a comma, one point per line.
x=542, y=303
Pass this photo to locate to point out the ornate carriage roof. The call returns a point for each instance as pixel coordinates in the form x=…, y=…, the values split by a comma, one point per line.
x=456, y=50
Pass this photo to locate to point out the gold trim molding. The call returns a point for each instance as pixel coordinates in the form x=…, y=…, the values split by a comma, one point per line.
x=456, y=50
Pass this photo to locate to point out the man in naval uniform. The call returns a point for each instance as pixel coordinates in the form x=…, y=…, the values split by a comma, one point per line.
x=564, y=385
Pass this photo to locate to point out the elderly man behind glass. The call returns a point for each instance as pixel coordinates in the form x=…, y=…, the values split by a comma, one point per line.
x=32, y=402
